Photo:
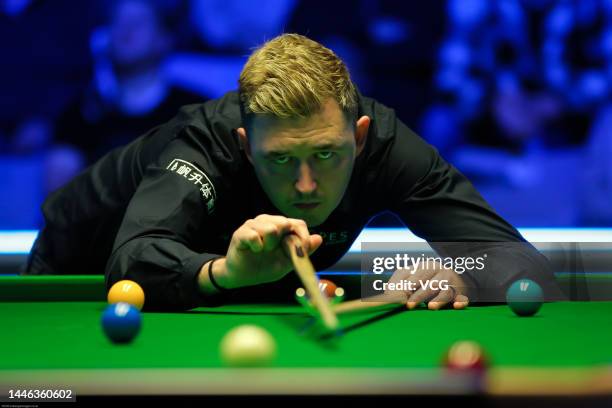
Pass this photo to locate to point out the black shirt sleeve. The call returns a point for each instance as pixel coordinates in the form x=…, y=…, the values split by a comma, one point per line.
x=441, y=206
x=159, y=241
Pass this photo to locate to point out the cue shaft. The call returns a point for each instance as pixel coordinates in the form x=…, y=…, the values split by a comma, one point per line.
x=306, y=272
x=371, y=303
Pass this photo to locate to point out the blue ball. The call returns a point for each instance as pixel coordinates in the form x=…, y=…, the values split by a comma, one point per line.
x=121, y=322
x=524, y=297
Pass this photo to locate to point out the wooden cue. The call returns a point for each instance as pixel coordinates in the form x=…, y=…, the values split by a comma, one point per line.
x=374, y=302
x=303, y=267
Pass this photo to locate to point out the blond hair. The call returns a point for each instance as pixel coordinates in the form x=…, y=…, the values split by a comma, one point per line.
x=292, y=76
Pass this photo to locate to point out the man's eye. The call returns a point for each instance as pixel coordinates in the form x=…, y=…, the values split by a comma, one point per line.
x=280, y=160
x=325, y=155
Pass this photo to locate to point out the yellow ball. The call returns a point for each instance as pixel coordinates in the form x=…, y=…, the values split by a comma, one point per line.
x=127, y=291
x=248, y=346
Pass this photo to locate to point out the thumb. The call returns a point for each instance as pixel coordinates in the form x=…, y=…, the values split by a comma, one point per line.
x=315, y=242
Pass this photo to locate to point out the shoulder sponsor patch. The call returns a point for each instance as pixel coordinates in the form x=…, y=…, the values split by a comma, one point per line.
x=199, y=179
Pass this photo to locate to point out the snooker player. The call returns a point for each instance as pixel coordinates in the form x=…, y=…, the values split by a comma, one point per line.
x=196, y=208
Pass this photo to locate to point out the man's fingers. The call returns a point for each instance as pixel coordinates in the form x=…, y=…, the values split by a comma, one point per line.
x=299, y=228
x=315, y=242
x=445, y=297
x=421, y=295
x=248, y=239
x=461, y=302
x=404, y=276
x=270, y=234
x=420, y=291
x=442, y=299
x=400, y=275
x=284, y=226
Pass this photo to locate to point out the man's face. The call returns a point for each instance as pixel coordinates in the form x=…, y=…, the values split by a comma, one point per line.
x=136, y=34
x=304, y=165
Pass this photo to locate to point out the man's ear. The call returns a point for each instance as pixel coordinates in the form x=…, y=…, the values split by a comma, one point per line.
x=361, y=133
x=245, y=143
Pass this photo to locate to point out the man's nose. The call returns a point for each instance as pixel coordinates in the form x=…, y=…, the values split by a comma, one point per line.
x=305, y=182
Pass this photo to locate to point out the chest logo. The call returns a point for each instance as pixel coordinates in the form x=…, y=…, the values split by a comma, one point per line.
x=334, y=237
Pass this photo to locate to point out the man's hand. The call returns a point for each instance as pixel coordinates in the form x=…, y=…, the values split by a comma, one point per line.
x=255, y=254
x=436, y=286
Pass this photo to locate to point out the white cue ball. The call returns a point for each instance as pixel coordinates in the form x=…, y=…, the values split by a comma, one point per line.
x=248, y=346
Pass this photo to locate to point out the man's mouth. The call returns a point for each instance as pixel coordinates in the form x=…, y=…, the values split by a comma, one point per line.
x=306, y=206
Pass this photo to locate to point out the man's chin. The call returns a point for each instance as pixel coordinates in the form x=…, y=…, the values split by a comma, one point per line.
x=311, y=220
x=312, y=224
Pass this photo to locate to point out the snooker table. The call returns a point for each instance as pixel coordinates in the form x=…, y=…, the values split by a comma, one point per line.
x=52, y=339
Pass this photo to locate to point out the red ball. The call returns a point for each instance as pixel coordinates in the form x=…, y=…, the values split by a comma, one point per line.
x=327, y=287
x=466, y=356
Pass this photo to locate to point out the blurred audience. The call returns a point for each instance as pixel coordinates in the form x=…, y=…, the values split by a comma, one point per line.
x=215, y=46
x=577, y=52
x=499, y=109
x=44, y=51
x=596, y=193
x=221, y=35
x=580, y=67
x=498, y=86
x=129, y=92
x=40, y=72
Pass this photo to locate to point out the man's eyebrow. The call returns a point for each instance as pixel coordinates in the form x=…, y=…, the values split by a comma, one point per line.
x=329, y=145
x=321, y=146
x=325, y=145
x=276, y=153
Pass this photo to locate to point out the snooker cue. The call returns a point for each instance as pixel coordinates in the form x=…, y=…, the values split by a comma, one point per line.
x=380, y=301
x=306, y=272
